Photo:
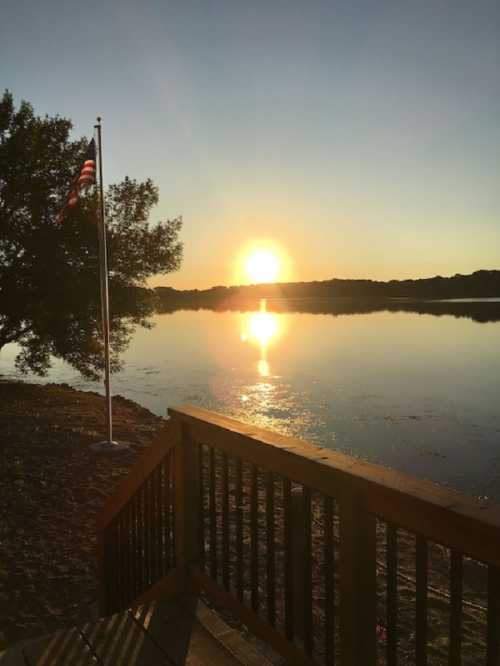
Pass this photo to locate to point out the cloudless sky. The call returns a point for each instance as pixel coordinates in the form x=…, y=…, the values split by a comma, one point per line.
x=361, y=136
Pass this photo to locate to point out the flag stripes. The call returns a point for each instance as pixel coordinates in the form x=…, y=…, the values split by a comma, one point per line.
x=84, y=178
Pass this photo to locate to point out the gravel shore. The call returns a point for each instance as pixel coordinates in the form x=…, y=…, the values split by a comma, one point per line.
x=52, y=488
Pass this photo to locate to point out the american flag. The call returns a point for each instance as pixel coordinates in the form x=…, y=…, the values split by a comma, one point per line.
x=84, y=178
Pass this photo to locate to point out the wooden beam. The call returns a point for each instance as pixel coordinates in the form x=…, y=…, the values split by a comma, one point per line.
x=187, y=502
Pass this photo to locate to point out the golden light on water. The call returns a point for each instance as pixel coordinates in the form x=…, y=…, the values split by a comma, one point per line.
x=261, y=328
x=263, y=367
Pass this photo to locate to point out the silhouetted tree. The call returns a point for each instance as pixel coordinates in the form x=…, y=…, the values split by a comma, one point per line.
x=49, y=284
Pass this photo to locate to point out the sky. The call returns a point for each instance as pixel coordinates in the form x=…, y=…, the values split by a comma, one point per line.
x=361, y=138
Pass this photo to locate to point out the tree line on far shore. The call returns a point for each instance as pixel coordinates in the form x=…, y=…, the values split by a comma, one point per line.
x=481, y=284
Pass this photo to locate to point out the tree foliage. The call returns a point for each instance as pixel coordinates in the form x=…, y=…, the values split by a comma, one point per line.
x=49, y=277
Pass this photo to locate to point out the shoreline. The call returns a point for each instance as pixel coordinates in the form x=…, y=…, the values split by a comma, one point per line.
x=52, y=488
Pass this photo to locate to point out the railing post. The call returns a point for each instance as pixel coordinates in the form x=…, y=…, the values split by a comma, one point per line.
x=358, y=590
x=186, y=489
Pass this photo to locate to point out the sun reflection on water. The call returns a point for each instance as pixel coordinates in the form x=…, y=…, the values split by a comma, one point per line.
x=261, y=328
x=263, y=367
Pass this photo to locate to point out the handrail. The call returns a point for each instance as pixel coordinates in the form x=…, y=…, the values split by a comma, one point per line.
x=415, y=504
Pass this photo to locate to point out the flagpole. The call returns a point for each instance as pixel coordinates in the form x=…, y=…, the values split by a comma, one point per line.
x=108, y=444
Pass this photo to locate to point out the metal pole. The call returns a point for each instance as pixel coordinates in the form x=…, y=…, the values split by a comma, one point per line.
x=103, y=270
x=108, y=445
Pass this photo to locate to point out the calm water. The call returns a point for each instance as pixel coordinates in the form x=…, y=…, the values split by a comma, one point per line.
x=416, y=392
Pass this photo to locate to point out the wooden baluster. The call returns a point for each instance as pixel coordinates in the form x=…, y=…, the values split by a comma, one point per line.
x=141, y=578
x=172, y=493
x=128, y=564
x=456, y=599
x=358, y=589
x=239, y=528
x=152, y=529
x=106, y=579
x=151, y=489
x=213, y=516
x=144, y=534
x=147, y=534
x=270, y=547
x=130, y=556
x=301, y=565
x=392, y=593
x=113, y=571
x=493, y=630
x=225, y=522
x=167, y=508
x=161, y=520
x=113, y=565
x=125, y=555
x=134, y=548
x=116, y=561
x=289, y=579
x=140, y=552
x=145, y=500
x=201, y=503
x=102, y=574
x=121, y=558
x=307, y=571
x=254, y=539
x=329, y=569
x=169, y=511
x=156, y=524
x=421, y=601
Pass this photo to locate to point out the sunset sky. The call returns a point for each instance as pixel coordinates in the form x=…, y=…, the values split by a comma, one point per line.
x=360, y=137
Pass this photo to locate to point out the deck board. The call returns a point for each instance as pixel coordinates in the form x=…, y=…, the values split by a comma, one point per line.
x=121, y=640
x=186, y=641
x=165, y=632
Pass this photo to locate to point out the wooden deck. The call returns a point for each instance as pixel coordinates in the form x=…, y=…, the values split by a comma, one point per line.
x=324, y=558
x=171, y=633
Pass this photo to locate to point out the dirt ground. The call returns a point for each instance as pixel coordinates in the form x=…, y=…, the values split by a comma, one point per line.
x=51, y=489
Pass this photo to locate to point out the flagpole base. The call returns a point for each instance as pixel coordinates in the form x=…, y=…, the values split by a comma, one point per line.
x=109, y=447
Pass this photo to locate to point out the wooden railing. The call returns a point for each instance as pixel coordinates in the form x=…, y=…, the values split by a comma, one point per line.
x=136, y=530
x=327, y=558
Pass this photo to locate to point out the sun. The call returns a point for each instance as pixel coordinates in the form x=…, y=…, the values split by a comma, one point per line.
x=262, y=266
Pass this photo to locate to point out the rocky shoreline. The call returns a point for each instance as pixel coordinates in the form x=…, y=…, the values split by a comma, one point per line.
x=52, y=488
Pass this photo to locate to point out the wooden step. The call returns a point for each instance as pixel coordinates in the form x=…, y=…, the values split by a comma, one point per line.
x=173, y=633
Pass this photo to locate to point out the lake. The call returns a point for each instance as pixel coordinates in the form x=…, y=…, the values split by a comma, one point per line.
x=417, y=392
